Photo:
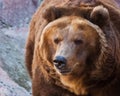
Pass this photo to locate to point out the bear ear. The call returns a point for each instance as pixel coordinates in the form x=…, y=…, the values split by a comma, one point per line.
x=51, y=14
x=99, y=16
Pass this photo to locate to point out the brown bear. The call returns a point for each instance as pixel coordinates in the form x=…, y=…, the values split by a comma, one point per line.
x=73, y=48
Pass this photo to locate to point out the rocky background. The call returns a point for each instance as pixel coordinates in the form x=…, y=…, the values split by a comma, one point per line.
x=15, y=16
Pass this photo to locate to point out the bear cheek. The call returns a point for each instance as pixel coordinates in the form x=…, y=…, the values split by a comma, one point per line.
x=51, y=50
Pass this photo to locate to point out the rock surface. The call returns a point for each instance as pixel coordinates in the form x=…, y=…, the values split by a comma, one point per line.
x=17, y=12
x=9, y=88
x=15, y=16
x=14, y=78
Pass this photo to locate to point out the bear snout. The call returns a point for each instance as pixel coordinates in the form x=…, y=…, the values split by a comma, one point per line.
x=59, y=62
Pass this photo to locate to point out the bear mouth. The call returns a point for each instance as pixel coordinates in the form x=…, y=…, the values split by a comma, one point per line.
x=66, y=70
x=63, y=71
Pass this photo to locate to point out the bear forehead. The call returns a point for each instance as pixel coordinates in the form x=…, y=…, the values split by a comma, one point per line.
x=67, y=21
x=71, y=24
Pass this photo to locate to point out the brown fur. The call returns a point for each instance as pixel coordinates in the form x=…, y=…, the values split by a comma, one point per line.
x=94, y=63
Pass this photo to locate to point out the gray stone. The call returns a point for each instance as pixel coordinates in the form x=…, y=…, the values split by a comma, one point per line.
x=9, y=88
x=12, y=43
x=15, y=12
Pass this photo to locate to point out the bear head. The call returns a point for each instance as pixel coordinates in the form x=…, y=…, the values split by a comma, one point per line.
x=75, y=46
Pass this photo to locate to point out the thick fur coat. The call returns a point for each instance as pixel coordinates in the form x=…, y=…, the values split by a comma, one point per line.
x=87, y=34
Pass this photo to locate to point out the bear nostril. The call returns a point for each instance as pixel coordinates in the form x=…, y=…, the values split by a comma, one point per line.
x=59, y=61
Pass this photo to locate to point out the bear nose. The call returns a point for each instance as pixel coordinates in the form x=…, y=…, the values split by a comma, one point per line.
x=59, y=62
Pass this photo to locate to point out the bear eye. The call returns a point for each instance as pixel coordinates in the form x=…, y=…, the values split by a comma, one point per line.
x=56, y=40
x=77, y=42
